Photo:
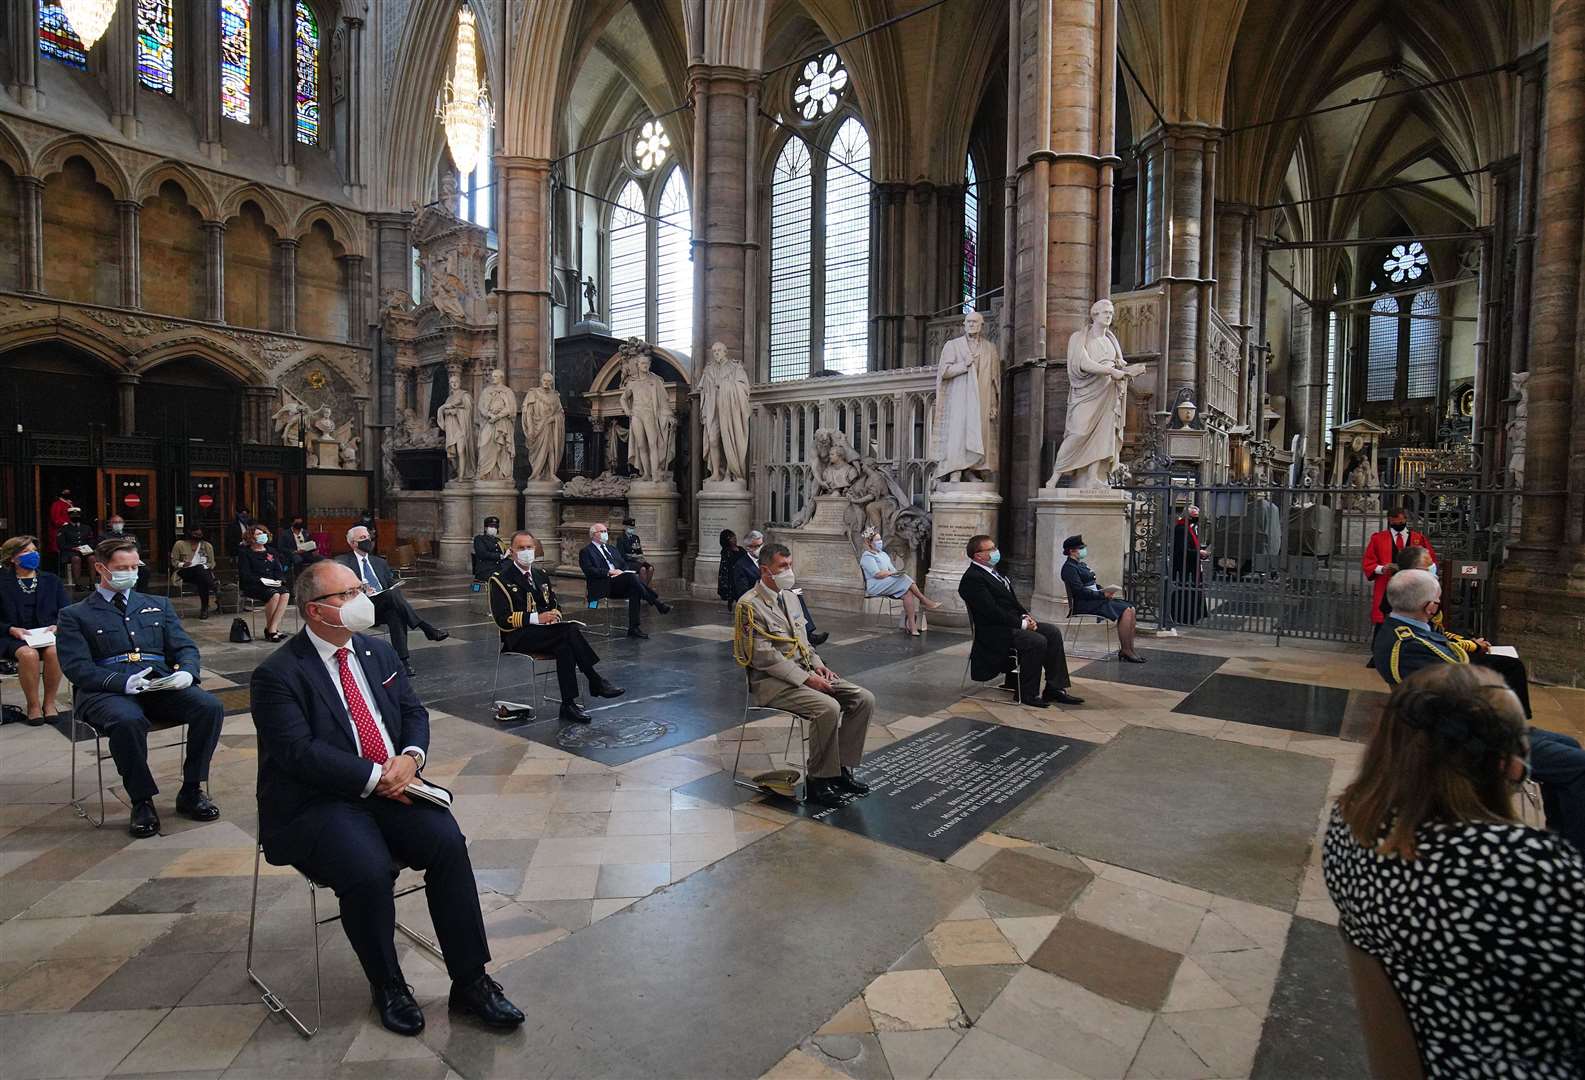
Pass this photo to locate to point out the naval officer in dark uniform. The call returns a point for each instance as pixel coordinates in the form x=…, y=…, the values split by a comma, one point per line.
x=523, y=605
x=111, y=646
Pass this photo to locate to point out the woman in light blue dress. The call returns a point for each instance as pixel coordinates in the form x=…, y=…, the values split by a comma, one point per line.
x=881, y=578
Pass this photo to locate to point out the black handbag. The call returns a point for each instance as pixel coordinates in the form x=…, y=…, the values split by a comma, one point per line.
x=240, y=632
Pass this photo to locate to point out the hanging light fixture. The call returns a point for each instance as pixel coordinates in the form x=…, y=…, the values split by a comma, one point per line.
x=464, y=105
x=89, y=18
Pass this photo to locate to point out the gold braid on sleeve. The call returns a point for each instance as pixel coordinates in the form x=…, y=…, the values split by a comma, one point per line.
x=744, y=629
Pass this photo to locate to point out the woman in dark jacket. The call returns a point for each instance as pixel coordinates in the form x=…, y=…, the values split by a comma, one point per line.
x=730, y=553
x=30, y=599
x=261, y=575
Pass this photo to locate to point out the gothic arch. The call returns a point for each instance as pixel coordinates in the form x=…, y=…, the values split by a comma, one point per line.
x=230, y=361
x=347, y=235
x=12, y=152
x=198, y=193
x=107, y=171
x=275, y=215
x=86, y=339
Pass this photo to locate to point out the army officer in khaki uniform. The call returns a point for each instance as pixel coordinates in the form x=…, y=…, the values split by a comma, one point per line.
x=784, y=672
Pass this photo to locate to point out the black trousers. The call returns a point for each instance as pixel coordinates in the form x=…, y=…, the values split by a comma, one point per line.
x=200, y=578
x=360, y=844
x=635, y=591
x=567, y=644
x=126, y=719
x=1040, y=649
x=1512, y=670
x=392, y=611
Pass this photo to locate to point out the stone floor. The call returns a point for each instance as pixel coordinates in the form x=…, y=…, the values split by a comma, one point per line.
x=1155, y=911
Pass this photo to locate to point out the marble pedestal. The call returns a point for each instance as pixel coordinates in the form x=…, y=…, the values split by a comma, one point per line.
x=455, y=550
x=653, y=508
x=824, y=562
x=542, y=517
x=497, y=498
x=1100, y=515
x=723, y=504
x=958, y=511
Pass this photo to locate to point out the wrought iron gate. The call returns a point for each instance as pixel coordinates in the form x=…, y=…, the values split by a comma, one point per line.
x=1287, y=561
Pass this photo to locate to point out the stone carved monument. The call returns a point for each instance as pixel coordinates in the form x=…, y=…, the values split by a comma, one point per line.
x=456, y=421
x=724, y=501
x=964, y=501
x=653, y=421
x=497, y=439
x=1092, y=444
x=544, y=421
x=1354, y=470
x=290, y=419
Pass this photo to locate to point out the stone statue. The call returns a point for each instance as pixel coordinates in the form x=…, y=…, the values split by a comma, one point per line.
x=653, y=422
x=349, y=454
x=615, y=436
x=835, y=462
x=1098, y=389
x=289, y=419
x=591, y=297
x=968, y=402
x=724, y=409
x=876, y=501
x=497, y=439
x=391, y=472
x=544, y=428
x=1517, y=427
x=325, y=423
x=417, y=431
x=449, y=295
x=1185, y=414
x=456, y=420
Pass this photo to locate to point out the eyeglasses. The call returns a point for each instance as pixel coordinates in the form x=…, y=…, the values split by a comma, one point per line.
x=345, y=595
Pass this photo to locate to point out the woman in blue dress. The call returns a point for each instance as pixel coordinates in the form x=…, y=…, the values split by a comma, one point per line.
x=881, y=578
x=30, y=599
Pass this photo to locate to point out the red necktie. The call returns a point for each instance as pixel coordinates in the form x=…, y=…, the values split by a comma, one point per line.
x=1397, y=541
x=370, y=745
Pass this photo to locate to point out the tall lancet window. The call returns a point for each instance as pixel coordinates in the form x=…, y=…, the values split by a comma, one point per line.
x=625, y=277
x=305, y=58
x=236, y=60
x=674, y=266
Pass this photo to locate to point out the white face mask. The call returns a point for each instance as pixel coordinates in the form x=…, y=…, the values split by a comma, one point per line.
x=357, y=614
x=601, y=538
x=783, y=580
x=490, y=530
x=116, y=527
x=1432, y=571
x=754, y=552
x=122, y=580
x=525, y=558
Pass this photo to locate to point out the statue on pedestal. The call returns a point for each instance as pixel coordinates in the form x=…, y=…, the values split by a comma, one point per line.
x=289, y=419
x=835, y=462
x=968, y=399
x=456, y=420
x=324, y=423
x=1098, y=390
x=724, y=410
x=497, y=440
x=653, y=421
x=544, y=428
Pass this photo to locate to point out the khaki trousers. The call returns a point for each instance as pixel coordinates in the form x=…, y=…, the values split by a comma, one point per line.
x=840, y=720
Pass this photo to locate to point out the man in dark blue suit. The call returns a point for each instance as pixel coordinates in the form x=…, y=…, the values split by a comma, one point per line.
x=341, y=736
x=391, y=608
x=608, y=574
x=112, y=645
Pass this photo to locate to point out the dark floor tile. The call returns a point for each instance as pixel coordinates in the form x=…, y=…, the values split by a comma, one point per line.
x=1033, y=880
x=1165, y=670
x=490, y=854
x=1312, y=1028
x=1316, y=710
x=205, y=933
x=150, y=982
x=497, y=763
x=1361, y=713
x=1108, y=963
x=200, y=894
x=977, y=986
x=718, y=788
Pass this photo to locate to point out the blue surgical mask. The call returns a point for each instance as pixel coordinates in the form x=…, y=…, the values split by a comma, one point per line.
x=996, y=556
x=1084, y=553
x=122, y=580
x=28, y=560
x=261, y=538
x=1433, y=570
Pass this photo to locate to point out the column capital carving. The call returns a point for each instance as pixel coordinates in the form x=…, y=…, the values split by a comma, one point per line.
x=128, y=378
x=32, y=183
x=703, y=74
x=214, y=226
x=290, y=242
x=129, y=205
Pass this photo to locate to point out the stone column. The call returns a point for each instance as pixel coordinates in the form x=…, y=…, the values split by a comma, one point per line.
x=22, y=35
x=288, y=253
x=119, y=52
x=30, y=189
x=215, y=250
x=357, y=294
x=1179, y=182
x=523, y=269
x=204, y=73
x=1061, y=90
x=889, y=303
x=352, y=138
x=131, y=254
x=126, y=402
x=1542, y=586
x=258, y=405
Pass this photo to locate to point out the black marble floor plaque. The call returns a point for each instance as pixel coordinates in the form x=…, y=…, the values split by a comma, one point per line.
x=937, y=789
x=1315, y=710
x=1164, y=670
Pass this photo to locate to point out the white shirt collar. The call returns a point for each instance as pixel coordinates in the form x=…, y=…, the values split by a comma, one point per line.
x=326, y=649
x=994, y=573
x=110, y=594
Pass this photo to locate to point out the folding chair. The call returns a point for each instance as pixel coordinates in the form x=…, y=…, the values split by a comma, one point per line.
x=271, y=999
x=968, y=667
x=1076, y=622
x=884, y=611
x=605, y=629
x=536, y=674
x=99, y=760
x=803, y=739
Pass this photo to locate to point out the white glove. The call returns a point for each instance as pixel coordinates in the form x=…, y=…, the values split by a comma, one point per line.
x=180, y=680
x=137, y=682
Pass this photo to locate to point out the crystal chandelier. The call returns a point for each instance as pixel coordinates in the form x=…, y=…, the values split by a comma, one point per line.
x=89, y=18
x=464, y=105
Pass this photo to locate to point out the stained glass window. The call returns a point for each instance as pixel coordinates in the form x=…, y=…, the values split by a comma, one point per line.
x=791, y=247
x=1331, y=374
x=847, y=262
x=1406, y=262
x=1425, y=341
x=156, y=52
x=674, y=266
x=306, y=69
x=819, y=86
x=57, y=39
x=1381, y=369
x=971, y=237
x=236, y=60
x=625, y=281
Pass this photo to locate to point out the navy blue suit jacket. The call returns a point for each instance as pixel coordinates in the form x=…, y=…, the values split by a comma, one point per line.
x=50, y=598
x=307, y=754
x=595, y=572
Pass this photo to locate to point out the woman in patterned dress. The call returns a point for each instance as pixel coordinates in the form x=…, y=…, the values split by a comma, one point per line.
x=1478, y=920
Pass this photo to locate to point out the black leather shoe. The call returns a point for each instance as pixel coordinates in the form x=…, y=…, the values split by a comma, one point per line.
x=636, y=632
x=1061, y=697
x=1125, y=658
x=412, y=673
x=606, y=689
x=145, y=822
x=196, y=805
x=851, y=784
x=573, y=713
x=398, y=1011
x=482, y=999
x=819, y=638
x=1033, y=703
x=823, y=791
x=663, y=607
x=435, y=633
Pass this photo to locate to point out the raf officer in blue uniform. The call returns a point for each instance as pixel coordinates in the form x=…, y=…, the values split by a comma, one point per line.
x=112, y=645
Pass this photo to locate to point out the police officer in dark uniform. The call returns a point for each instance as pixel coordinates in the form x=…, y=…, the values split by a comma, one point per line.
x=523, y=604
x=111, y=646
x=489, y=548
x=631, y=545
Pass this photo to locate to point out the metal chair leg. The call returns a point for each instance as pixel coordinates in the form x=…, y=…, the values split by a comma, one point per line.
x=99, y=766
x=272, y=1000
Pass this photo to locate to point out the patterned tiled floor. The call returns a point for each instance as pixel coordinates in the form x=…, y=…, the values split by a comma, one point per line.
x=122, y=957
